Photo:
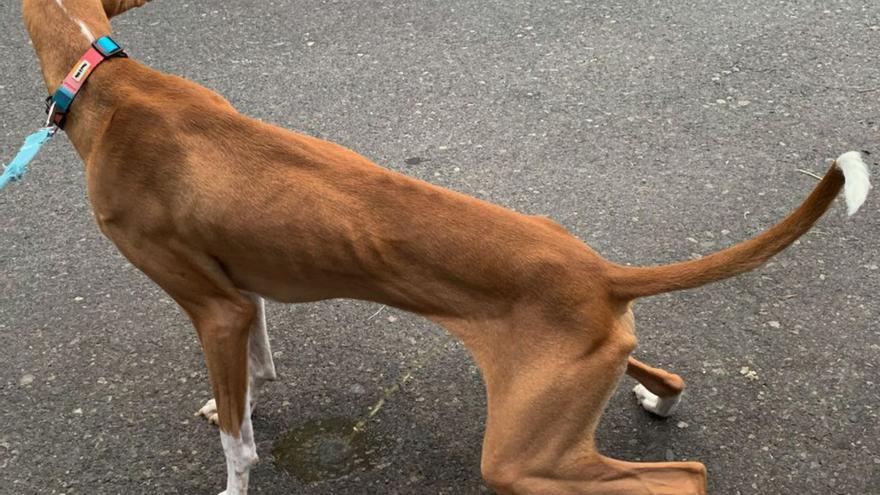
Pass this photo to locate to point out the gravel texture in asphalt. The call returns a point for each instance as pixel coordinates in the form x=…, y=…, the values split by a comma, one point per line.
x=654, y=131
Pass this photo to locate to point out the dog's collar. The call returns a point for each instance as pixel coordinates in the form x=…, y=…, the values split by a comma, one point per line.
x=59, y=103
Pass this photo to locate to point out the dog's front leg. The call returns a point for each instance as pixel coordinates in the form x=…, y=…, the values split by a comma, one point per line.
x=223, y=317
x=261, y=366
x=223, y=327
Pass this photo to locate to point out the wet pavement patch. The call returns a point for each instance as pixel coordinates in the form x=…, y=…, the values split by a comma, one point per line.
x=323, y=449
x=329, y=448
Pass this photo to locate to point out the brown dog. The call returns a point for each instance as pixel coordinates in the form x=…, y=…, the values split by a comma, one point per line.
x=216, y=207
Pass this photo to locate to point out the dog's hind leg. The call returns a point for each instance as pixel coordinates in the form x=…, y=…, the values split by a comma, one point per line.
x=261, y=367
x=548, y=380
x=658, y=391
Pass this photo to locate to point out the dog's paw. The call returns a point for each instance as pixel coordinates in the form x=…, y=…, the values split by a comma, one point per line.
x=663, y=407
x=209, y=412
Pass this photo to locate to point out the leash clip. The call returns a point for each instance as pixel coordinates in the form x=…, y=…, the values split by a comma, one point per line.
x=50, y=109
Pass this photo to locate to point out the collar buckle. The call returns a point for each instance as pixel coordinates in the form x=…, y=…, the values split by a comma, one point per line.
x=107, y=47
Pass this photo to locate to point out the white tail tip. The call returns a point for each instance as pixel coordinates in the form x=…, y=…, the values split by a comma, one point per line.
x=857, y=181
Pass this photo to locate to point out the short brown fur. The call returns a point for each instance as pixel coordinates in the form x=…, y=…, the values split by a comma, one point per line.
x=209, y=203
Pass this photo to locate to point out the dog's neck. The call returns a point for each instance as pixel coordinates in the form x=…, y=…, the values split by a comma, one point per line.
x=62, y=31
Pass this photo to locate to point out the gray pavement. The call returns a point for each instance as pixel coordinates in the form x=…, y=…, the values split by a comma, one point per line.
x=653, y=131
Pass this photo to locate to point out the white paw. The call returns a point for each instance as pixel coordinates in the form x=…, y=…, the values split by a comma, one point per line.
x=660, y=406
x=209, y=412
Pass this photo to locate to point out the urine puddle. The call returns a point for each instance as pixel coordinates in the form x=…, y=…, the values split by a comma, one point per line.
x=330, y=448
x=323, y=449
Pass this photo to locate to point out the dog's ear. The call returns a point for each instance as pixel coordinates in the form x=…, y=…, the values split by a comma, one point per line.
x=116, y=7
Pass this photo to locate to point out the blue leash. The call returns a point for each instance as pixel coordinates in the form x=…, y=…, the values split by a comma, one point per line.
x=32, y=144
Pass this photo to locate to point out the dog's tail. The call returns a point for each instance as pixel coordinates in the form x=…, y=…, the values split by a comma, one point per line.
x=848, y=172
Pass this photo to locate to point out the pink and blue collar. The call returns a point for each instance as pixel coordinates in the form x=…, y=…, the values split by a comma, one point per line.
x=59, y=103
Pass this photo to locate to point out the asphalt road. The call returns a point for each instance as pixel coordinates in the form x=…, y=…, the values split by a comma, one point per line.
x=654, y=131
